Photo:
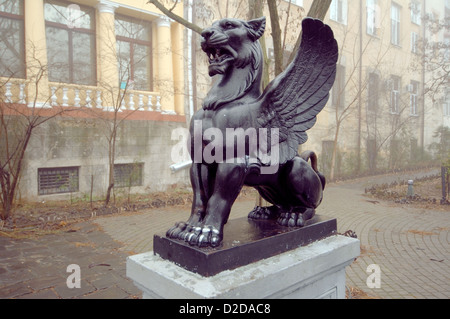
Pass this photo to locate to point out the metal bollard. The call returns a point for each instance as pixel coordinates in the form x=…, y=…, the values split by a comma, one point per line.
x=410, y=192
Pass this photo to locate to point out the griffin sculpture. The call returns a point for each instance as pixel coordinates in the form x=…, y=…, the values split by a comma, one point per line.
x=267, y=128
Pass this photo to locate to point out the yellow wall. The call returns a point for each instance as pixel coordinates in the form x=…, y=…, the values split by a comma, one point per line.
x=167, y=63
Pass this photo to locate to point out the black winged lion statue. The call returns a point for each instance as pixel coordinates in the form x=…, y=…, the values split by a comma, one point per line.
x=246, y=136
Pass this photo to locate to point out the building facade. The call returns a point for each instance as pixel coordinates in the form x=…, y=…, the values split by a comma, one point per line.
x=380, y=114
x=92, y=70
x=121, y=68
x=383, y=103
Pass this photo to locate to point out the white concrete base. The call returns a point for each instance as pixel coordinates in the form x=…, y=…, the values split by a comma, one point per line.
x=313, y=271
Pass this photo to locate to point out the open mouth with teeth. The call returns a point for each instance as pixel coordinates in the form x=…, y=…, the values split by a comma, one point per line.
x=219, y=55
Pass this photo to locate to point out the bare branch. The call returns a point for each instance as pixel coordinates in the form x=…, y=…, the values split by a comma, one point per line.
x=176, y=17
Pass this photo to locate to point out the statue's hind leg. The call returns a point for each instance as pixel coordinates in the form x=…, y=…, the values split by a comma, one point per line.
x=306, y=190
x=295, y=193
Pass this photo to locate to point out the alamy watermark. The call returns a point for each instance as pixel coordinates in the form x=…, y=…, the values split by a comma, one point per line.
x=374, y=279
x=74, y=279
x=234, y=145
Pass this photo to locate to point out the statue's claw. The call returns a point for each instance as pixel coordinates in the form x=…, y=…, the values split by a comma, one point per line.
x=264, y=213
x=204, y=237
x=291, y=220
x=184, y=232
x=175, y=230
x=192, y=235
x=295, y=219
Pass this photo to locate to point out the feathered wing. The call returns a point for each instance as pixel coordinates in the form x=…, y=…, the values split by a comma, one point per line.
x=292, y=101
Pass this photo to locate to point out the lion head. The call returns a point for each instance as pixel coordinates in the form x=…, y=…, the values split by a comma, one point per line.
x=234, y=54
x=231, y=42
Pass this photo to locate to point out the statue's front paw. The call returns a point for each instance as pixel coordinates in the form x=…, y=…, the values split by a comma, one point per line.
x=207, y=236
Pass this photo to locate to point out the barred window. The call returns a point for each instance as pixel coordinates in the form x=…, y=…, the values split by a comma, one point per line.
x=57, y=180
x=127, y=175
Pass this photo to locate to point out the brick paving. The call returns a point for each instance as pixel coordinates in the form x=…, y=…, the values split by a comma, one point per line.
x=36, y=268
x=410, y=245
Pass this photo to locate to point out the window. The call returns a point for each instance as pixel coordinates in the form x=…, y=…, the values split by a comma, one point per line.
x=297, y=2
x=414, y=42
x=70, y=35
x=127, y=175
x=338, y=11
x=413, y=89
x=447, y=49
x=395, y=94
x=12, y=43
x=57, y=180
x=373, y=89
x=338, y=92
x=395, y=24
x=373, y=16
x=415, y=12
x=134, y=53
x=446, y=104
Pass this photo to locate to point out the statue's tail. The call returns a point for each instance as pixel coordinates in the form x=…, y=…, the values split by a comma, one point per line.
x=310, y=155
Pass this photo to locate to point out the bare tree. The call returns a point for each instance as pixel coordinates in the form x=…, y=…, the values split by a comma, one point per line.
x=113, y=119
x=346, y=90
x=115, y=96
x=390, y=124
x=18, y=122
x=432, y=56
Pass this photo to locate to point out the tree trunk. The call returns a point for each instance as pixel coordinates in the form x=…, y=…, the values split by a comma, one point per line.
x=112, y=153
x=256, y=10
x=334, y=154
x=276, y=36
x=9, y=186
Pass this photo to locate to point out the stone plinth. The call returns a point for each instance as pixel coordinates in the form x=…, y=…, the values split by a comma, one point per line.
x=316, y=270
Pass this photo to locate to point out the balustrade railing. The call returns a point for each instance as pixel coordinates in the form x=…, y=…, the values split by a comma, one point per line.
x=69, y=95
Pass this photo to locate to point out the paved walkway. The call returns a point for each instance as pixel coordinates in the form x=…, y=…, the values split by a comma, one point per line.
x=410, y=245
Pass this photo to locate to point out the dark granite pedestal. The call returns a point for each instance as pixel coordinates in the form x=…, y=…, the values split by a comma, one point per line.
x=245, y=241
